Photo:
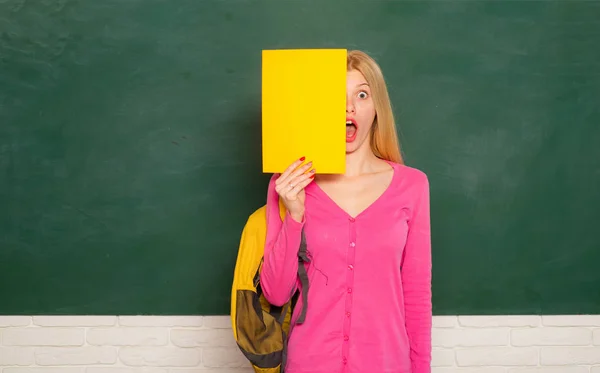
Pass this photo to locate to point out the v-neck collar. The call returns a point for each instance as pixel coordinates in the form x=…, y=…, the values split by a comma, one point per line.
x=372, y=205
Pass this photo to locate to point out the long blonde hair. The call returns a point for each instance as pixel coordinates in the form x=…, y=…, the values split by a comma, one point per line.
x=384, y=138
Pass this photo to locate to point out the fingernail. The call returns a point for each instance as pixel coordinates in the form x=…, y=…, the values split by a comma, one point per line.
x=303, y=158
x=312, y=176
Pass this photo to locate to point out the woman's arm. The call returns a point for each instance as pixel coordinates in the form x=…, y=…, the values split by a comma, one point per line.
x=416, y=278
x=278, y=276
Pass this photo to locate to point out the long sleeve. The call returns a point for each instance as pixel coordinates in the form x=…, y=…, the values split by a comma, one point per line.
x=416, y=278
x=278, y=275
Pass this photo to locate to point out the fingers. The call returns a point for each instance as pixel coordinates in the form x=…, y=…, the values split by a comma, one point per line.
x=288, y=171
x=292, y=172
x=294, y=179
x=297, y=184
x=300, y=182
x=298, y=179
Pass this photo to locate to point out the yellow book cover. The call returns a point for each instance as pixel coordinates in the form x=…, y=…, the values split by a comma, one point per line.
x=304, y=109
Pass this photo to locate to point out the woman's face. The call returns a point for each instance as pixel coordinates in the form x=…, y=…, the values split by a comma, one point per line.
x=360, y=111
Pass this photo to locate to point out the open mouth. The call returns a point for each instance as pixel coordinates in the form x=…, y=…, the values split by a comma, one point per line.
x=350, y=130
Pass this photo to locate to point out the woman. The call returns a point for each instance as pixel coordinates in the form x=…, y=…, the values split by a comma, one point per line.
x=368, y=240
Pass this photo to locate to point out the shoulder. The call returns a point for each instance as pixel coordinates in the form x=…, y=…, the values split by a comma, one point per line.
x=410, y=176
x=411, y=185
x=412, y=188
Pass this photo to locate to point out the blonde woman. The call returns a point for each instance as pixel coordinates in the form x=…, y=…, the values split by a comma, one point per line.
x=368, y=241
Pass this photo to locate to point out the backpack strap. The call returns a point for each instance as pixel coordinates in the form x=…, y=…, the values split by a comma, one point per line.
x=279, y=312
x=303, y=258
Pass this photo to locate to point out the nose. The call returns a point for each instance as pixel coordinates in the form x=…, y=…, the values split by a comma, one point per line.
x=349, y=106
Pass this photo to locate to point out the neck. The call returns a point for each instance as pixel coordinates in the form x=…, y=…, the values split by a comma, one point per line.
x=361, y=161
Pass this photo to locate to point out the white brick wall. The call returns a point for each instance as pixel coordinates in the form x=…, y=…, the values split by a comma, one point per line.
x=204, y=344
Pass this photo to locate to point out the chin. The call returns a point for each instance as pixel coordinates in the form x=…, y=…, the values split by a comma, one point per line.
x=356, y=144
x=351, y=147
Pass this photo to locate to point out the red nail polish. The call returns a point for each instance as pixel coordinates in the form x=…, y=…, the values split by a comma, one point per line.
x=302, y=159
x=312, y=176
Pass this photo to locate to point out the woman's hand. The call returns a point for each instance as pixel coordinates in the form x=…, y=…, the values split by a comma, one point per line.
x=290, y=187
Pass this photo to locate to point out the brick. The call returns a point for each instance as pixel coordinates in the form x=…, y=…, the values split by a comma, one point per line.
x=469, y=370
x=44, y=370
x=160, y=356
x=75, y=355
x=203, y=338
x=213, y=370
x=497, y=356
x=550, y=370
x=442, y=357
x=571, y=320
x=16, y=356
x=223, y=357
x=445, y=321
x=128, y=336
x=204, y=344
x=43, y=337
x=172, y=321
x=217, y=322
x=75, y=320
x=551, y=336
x=499, y=321
x=10, y=321
x=470, y=337
x=125, y=370
x=570, y=356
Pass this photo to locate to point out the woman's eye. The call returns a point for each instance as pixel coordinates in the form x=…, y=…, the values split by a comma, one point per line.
x=362, y=94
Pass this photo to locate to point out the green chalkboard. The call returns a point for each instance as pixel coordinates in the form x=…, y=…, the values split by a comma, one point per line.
x=130, y=145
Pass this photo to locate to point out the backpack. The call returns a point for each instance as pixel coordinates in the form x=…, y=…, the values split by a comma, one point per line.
x=261, y=329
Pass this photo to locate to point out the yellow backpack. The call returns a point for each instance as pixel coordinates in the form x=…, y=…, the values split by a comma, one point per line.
x=259, y=328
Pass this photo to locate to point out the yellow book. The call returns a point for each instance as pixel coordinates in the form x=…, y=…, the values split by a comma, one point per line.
x=304, y=109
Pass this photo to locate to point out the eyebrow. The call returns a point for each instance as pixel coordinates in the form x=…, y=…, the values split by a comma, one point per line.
x=363, y=84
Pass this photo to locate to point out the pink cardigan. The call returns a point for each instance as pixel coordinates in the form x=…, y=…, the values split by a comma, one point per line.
x=369, y=303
